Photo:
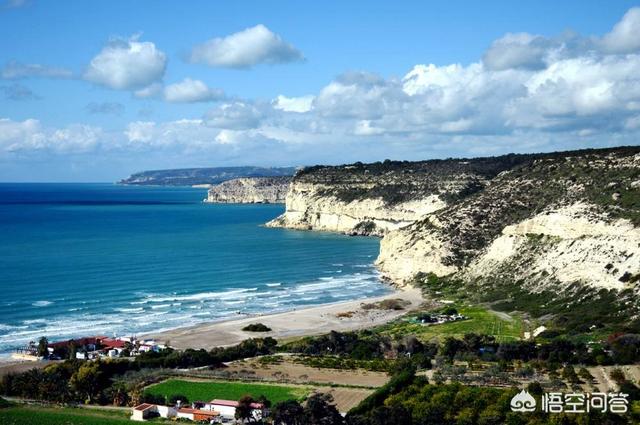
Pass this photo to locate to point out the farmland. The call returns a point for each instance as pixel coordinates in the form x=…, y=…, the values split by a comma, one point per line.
x=26, y=415
x=208, y=390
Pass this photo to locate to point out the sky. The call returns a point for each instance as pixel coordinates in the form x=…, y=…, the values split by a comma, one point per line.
x=94, y=91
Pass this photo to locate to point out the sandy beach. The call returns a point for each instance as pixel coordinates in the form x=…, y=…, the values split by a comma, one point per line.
x=344, y=316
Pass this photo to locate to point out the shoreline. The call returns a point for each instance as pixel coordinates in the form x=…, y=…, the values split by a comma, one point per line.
x=306, y=321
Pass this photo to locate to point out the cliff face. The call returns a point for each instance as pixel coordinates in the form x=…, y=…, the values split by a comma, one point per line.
x=250, y=190
x=372, y=199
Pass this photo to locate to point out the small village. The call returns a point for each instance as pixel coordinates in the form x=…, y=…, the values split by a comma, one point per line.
x=86, y=348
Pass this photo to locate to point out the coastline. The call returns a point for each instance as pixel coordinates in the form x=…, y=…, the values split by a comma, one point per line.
x=295, y=323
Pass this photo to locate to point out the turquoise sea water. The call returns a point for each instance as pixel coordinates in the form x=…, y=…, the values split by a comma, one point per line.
x=84, y=259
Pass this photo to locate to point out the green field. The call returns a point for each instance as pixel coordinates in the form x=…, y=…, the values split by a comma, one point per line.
x=206, y=391
x=28, y=415
x=481, y=321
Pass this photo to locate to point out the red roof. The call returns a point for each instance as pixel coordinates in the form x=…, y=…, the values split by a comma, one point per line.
x=231, y=403
x=92, y=340
x=112, y=343
x=199, y=412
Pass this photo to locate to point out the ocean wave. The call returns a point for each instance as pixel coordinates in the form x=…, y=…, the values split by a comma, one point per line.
x=42, y=303
x=155, y=311
x=130, y=310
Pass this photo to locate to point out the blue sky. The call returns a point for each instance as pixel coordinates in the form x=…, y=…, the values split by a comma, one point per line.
x=92, y=91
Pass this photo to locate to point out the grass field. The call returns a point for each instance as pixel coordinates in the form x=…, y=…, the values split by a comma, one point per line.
x=206, y=391
x=481, y=321
x=27, y=415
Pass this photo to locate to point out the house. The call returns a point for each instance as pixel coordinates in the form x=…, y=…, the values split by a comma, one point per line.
x=147, y=411
x=227, y=408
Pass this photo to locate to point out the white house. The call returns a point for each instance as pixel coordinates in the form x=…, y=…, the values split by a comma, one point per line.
x=146, y=411
x=227, y=408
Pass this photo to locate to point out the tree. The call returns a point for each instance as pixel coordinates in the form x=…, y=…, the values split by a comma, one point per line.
x=320, y=410
x=569, y=373
x=43, y=345
x=288, y=412
x=87, y=381
x=618, y=376
x=174, y=398
x=72, y=350
x=244, y=411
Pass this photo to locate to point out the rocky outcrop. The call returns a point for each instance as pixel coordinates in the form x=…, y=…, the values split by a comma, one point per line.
x=250, y=190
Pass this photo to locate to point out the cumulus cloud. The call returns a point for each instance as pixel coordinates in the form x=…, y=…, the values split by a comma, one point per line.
x=517, y=51
x=15, y=70
x=235, y=116
x=30, y=136
x=106, y=108
x=190, y=91
x=625, y=35
x=245, y=49
x=293, y=104
x=127, y=65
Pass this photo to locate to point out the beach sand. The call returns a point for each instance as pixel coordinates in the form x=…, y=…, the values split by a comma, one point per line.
x=301, y=322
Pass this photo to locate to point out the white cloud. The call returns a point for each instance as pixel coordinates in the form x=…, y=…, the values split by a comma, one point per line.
x=245, y=49
x=293, y=104
x=520, y=50
x=127, y=65
x=625, y=35
x=235, y=116
x=364, y=128
x=30, y=136
x=151, y=91
x=14, y=70
x=190, y=91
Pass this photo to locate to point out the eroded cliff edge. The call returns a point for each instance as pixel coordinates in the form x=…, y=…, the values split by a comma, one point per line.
x=373, y=199
x=250, y=190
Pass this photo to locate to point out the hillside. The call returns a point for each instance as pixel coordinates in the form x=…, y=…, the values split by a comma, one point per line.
x=201, y=176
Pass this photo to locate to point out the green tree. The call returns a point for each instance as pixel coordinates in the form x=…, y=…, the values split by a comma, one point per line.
x=320, y=410
x=244, y=411
x=288, y=412
x=43, y=345
x=87, y=381
x=618, y=376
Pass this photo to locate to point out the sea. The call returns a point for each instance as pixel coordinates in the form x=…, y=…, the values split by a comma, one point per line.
x=104, y=259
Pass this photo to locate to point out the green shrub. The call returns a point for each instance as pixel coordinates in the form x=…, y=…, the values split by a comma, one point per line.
x=256, y=327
